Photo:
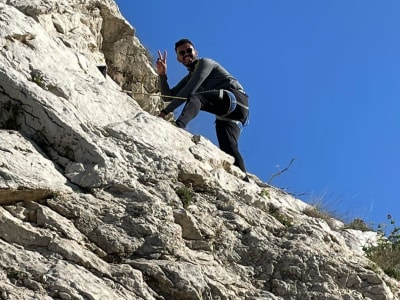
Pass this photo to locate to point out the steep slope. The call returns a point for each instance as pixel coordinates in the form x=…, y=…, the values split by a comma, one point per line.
x=100, y=199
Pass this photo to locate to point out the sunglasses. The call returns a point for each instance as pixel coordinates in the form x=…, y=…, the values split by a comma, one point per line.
x=188, y=51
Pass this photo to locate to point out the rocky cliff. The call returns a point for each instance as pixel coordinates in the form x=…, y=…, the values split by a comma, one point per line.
x=100, y=199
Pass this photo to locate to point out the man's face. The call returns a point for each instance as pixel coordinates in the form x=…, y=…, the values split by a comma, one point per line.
x=186, y=54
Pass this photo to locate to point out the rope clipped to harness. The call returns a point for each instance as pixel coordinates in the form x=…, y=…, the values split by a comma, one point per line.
x=232, y=100
x=232, y=106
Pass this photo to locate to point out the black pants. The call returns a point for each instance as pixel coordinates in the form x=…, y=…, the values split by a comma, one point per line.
x=228, y=132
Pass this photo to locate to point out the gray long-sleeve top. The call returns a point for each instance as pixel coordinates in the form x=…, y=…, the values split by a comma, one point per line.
x=204, y=74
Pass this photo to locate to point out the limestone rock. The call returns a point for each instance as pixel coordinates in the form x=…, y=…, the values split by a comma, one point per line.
x=100, y=199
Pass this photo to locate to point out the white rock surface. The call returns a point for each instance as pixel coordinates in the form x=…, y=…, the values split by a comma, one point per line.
x=100, y=199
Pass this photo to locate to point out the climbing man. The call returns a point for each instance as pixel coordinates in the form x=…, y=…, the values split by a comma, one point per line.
x=207, y=87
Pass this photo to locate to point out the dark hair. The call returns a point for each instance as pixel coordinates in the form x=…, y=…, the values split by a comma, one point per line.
x=183, y=41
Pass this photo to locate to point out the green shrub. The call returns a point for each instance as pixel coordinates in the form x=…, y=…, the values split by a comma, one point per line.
x=185, y=196
x=386, y=253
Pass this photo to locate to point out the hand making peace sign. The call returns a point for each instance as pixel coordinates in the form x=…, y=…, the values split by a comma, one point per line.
x=162, y=63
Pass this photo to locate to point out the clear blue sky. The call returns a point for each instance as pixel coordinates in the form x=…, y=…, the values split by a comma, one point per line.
x=324, y=85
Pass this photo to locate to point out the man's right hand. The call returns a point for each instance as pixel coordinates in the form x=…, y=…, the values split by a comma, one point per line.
x=162, y=63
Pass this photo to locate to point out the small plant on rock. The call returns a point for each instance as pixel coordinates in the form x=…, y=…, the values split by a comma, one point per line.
x=277, y=214
x=265, y=193
x=358, y=224
x=321, y=210
x=185, y=196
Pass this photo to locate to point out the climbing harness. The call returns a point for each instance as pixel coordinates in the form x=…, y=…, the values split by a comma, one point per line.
x=233, y=102
x=232, y=105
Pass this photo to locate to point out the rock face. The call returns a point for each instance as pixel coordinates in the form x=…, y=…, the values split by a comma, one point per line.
x=100, y=199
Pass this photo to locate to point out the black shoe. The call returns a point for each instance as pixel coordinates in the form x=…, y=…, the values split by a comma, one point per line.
x=179, y=124
x=246, y=178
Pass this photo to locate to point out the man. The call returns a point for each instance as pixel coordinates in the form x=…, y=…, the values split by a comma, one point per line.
x=207, y=87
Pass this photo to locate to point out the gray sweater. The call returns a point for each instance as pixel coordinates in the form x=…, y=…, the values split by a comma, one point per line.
x=204, y=74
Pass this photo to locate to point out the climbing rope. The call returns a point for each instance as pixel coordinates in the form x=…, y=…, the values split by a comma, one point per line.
x=156, y=95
